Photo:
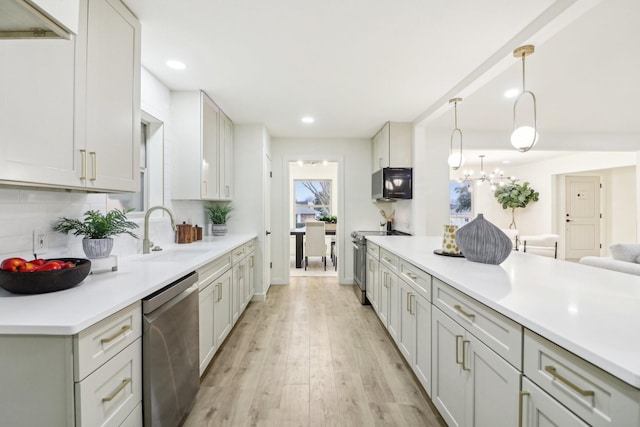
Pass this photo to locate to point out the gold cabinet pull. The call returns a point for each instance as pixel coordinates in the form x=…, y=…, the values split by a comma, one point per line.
x=469, y=315
x=122, y=331
x=464, y=348
x=552, y=370
x=83, y=174
x=458, y=361
x=94, y=165
x=411, y=276
x=251, y=261
x=520, y=406
x=412, y=302
x=219, y=292
x=121, y=387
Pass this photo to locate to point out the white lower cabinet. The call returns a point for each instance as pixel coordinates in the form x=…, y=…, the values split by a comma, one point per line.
x=250, y=285
x=206, y=299
x=538, y=409
x=222, y=321
x=92, y=379
x=385, y=277
x=471, y=384
x=134, y=419
x=372, y=282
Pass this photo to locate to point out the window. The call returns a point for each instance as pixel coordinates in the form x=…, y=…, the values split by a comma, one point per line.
x=312, y=199
x=460, y=203
x=151, y=192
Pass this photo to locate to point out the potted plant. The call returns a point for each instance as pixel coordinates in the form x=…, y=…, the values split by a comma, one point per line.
x=218, y=214
x=97, y=229
x=514, y=195
x=330, y=221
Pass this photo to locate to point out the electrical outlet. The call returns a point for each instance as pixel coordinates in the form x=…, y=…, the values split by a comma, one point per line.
x=40, y=242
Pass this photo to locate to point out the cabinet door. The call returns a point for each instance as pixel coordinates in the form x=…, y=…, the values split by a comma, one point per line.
x=449, y=379
x=112, y=97
x=236, y=291
x=207, y=347
x=222, y=307
x=393, y=324
x=383, y=147
x=422, y=364
x=407, y=328
x=372, y=282
x=226, y=158
x=210, y=185
x=251, y=277
x=492, y=400
x=37, y=112
x=541, y=410
x=383, y=302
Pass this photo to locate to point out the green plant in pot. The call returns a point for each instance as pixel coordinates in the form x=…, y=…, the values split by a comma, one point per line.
x=97, y=229
x=514, y=196
x=219, y=213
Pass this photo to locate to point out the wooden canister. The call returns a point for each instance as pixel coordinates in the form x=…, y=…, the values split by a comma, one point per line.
x=184, y=233
x=198, y=232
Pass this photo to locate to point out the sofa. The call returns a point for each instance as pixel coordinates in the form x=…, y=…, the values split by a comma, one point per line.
x=625, y=258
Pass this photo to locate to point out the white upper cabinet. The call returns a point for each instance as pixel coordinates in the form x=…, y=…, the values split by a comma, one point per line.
x=391, y=146
x=70, y=109
x=203, y=148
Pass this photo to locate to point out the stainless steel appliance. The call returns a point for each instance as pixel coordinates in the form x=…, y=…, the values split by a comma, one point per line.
x=359, y=241
x=392, y=184
x=170, y=352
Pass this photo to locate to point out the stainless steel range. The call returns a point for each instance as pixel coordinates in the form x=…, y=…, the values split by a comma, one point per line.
x=359, y=241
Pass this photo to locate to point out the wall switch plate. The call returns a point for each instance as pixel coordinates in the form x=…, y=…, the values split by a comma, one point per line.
x=40, y=242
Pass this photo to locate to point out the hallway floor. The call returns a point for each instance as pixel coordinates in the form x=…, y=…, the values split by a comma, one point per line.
x=310, y=356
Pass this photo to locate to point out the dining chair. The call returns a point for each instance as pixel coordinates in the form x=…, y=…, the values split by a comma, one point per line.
x=315, y=244
x=514, y=235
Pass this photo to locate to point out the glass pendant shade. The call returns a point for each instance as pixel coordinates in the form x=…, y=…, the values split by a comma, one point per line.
x=455, y=160
x=522, y=138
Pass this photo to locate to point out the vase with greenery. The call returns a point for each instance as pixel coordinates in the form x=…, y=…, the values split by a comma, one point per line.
x=97, y=229
x=218, y=213
x=513, y=196
x=330, y=222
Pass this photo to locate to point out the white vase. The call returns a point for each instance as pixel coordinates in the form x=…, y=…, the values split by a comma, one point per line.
x=97, y=248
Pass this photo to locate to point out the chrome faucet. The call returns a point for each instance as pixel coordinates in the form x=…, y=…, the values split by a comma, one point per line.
x=146, y=243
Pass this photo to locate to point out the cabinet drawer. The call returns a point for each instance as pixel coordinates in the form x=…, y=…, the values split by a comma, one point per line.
x=419, y=280
x=250, y=246
x=389, y=259
x=107, y=396
x=373, y=250
x=237, y=254
x=100, y=342
x=501, y=334
x=209, y=272
x=593, y=394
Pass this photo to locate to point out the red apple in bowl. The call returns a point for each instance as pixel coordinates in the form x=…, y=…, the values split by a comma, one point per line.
x=12, y=264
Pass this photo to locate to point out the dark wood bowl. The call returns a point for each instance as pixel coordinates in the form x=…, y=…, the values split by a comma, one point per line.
x=41, y=282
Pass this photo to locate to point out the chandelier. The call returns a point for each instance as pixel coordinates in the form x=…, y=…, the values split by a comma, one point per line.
x=494, y=179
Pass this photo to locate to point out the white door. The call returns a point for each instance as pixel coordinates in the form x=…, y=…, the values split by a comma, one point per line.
x=582, y=222
x=266, y=261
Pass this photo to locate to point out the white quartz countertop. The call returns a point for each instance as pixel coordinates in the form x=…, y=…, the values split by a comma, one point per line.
x=100, y=295
x=591, y=312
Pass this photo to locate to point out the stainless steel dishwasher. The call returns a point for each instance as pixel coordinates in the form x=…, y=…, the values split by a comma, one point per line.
x=170, y=354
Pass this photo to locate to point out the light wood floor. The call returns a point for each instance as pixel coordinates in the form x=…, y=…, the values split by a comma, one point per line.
x=310, y=355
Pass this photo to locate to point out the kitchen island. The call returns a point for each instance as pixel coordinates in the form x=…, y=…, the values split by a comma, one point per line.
x=559, y=314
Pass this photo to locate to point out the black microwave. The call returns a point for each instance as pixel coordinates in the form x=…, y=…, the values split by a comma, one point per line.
x=392, y=184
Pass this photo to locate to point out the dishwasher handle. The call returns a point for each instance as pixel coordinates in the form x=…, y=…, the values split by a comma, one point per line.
x=164, y=295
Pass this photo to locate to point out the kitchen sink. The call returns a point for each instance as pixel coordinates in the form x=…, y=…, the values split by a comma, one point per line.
x=175, y=255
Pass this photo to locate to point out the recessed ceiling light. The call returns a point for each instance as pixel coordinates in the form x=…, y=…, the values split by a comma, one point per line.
x=176, y=65
x=308, y=120
x=512, y=93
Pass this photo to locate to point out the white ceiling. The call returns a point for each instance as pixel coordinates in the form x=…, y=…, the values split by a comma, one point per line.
x=354, y=65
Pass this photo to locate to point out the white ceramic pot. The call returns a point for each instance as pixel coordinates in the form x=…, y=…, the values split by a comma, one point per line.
x=218, y=229
x=97, y=248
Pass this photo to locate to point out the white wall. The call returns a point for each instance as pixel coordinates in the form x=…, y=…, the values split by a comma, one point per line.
x=355, y=209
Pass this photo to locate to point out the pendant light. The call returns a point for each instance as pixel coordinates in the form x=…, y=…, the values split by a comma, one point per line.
x=455, y=157
x=523, y=138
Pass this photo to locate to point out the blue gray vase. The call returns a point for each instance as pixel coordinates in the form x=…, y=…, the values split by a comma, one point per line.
x=481, y=241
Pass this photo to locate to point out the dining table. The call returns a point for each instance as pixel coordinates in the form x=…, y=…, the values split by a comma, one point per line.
x=299, y=233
